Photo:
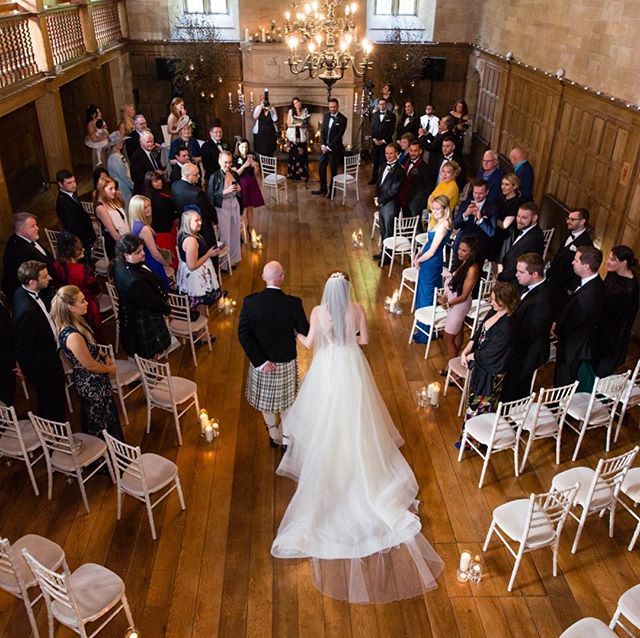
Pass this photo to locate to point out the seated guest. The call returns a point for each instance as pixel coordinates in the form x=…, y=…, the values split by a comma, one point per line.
x=72, y=216
x=457, y=299
x=529, y=239
x=110, y=213
x=476, y=216
x=118, y=167
x=185, y=138
x=71, y=270
x=36, y=341
x=577, y=323
x=211, y=149
x=246, y=166
x=523, y=169
x=164, y=215
x=196, y=273
x=531, y=325
x=412, y=195
x=432, y=142
x=447, y=186
x=146, y=158
x=562, y=279
x=620, y=309
x=492, y=174
x=140, y=220
x=178, y=160
x=133, y=143
x=383, y=124
x=507, y=208
x=8, y=364
x=143, y=301
x=23, y=245
x=404, y=141
x=387, y=188
x=90, y=369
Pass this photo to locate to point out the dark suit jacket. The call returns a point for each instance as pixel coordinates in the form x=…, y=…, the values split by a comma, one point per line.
x=74, y=219
x=436, y=158
x=483, y=231
x=210, y=153
x=18, y=251
x=333, y=138
x=140, y=164
x=184, y=193
x=413, y=191
x=532, y=242
x=176, y=173
x=36, y=347
x=411, y=126
x=132, y=144
x=383, y=130
x=267, y=326
x=561, y=277
x=494, y=181
x=525, y=175
x=387, y=191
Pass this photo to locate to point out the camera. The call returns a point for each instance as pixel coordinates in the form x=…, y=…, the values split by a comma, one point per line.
x=265, y=99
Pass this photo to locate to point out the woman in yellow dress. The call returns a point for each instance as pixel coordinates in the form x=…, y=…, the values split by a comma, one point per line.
x=447, y=185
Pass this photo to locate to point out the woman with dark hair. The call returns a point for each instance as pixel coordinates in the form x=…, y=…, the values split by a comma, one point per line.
x=244, y=162
x=71, y=270
x=98, y=172
x=163, y=215
x=460, y=114
x=97, y=134
x=457, y=298
x=620, y=309
x=265, y=129
x=143, y=301
x=297, y=135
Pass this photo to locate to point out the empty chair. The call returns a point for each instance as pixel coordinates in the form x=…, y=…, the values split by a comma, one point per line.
x=630, y=397
x=629, y=607
x=78, y=598
x=403, y=241
x=112, y=292
x=270, y=177
x=599, y=488
x=598, y=408
x=52, y=238
x=631, y=489
x=348, y=177
x=546, y=418
x=497, y=431
x=70, y=453
x=124, y=382
x=19, y=440
x=99, y=253
x=429, y=319
x=588, y=628
x=548, y=236
x=183, y=327
x=409, y=277
x=142, y=476
x=459, y=376
x=533, y=523
x=166, y=392
x=16, y=576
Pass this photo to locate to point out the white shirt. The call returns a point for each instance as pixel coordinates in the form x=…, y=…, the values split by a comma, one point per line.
x=523, y=233
x=530, y=288
x=33, y=243
x=586, y=280
x=573, y=236
x=387, y=170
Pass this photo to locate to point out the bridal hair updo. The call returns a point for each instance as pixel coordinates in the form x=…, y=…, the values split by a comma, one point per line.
x=338, y=274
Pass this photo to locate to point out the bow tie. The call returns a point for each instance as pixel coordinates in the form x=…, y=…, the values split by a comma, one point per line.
x=391, y=165
x=35, y=295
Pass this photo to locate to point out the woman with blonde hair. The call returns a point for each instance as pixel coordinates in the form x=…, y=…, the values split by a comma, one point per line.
x=508, y=203
x=430, y=259
x=178, y=118
x=447, y=185
x=140, y=220
x=110, y=212
x=91, y=369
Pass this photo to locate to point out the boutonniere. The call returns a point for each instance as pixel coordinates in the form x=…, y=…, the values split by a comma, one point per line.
x=414, y=172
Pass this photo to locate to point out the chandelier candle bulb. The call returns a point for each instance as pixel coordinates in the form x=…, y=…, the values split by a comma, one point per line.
x=263, y=35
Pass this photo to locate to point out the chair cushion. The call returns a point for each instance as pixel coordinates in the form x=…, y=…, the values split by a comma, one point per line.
x=583, y=475
x=512, y=518
x=423, y=315
x=47, y=552
x=10, y=446
x=182, y=390
x=580, y=403
x=631, y=485
x=92, y=448
x=95, y=589
x=629, y=604
x=158, y=472
x=545, y=424
x=342, y=178
x=410, y=274
x=182, y=327
x=421, y=238
x=127, y=371
x=480, y=426
x=455, y=365
x=588, y=628
x=400, y=243
x=274, y=179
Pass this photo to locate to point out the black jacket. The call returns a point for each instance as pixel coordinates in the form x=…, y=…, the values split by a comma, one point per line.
x=268, y=324
x=387, y=191
x=413, y=191
x=210, y=153
x=411, y=126
x=17, y=251
x=184, y=193
x=532, y=242
x=561, y=277
x=140, y=165
x=333, y=138
x=383, y=130
x=216, y=186
x=490, y=354
x=74, y=219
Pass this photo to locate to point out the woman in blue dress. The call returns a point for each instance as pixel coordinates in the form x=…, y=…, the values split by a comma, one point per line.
x=430, y=259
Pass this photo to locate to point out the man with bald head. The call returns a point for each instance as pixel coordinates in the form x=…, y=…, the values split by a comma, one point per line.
x=269, y=322
x=524, y=171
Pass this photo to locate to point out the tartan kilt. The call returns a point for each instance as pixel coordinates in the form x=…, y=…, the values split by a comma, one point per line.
x=272, y=391
x=144, y=333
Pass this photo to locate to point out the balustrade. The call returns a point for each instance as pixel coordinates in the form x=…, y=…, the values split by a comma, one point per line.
x=106, y=23
x=17, y=58
x=65, y=34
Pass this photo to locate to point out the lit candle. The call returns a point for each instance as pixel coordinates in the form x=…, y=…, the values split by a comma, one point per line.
x=463, y=576
x=465, y=561
x=434, y=394
x=229, y=98
x=246, y=35
x=263, y=37
x=355, y=97
x=208, y=433
x=204, y=419
x=216, y=428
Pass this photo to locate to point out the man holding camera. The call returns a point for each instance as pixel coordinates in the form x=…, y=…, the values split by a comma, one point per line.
x=334, y=126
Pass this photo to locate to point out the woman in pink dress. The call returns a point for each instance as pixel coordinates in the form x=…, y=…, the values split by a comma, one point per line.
x=245, y=165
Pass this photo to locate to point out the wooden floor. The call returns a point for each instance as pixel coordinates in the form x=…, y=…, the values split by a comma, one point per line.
x=210, y=572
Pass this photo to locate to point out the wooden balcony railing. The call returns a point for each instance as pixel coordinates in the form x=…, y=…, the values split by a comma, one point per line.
x=65, y=34
x=106, y=23
x=17, y=57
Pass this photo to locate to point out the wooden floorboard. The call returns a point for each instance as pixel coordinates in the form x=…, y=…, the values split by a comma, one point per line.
x=210, y=573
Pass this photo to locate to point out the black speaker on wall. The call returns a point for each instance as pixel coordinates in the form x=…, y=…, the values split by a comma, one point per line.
x=433, y=69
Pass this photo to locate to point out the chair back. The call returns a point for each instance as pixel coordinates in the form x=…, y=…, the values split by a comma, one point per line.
x=112, y=291
x=268, y=165
x=10, y=432
x=606, y=392
x=481, y=305
x=509, y=418
x=165, y=135
x=556, y=401
x=155, y=375
x=180, y=310
x=351, y=165
x=90, y=209
x=55, y=437
x=99, y=252
x=632, y=384
x=125, y=459
x=548, y=236
x=52, y=238
x=608, y=477
x=106, y=350
x=8, y=567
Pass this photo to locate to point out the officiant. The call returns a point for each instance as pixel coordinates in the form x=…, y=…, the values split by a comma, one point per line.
x=297, y=135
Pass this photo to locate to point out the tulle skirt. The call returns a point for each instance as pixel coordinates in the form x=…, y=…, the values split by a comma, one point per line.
x=354, y=511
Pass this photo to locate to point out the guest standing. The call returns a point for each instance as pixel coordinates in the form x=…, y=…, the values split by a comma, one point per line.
x=91, y=369
x=126, y=125
x=413, y=191
x=178, y=118
x=383, y=125
x=73, y=217
x=265, y=129
x=211, y=149
x=110, y=212
x=523, y=169
x=118, y=167
x=245, y=164
x=492, y=174
x=97, y=134
x=334, y=125
x=163, y=215
x=185, y=139
x=297, y=135
x=507, y=207
x=146, y=158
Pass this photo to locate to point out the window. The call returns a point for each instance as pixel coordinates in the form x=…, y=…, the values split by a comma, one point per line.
x=207, y=6
x=395, y=7
x=195, y=16
x=414, y=18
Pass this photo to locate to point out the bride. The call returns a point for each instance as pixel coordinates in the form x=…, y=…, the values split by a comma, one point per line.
x=354, y=510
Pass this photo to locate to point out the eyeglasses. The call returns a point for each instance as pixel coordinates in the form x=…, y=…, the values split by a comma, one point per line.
x=574, y=219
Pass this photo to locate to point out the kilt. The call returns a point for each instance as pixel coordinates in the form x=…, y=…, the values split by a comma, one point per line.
x=144, y=333
x=273, y=391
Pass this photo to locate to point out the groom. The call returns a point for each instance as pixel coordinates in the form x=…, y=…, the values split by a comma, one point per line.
x=267, y=329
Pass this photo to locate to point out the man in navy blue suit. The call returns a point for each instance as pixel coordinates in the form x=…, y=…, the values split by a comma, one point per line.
x=492, y=174
x=476, y=216
x=524, y=171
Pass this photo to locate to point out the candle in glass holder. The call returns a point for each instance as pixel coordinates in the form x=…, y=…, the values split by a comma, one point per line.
x=216, y=427
x=204, y=419
x=434, y=393
x=208, y=433
x=465, y=561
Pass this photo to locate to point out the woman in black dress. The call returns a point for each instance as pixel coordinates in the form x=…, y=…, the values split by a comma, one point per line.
x=163, y=215
x=297, y=135
x=143, y=301
x=620, y=309
x=508, y=204
x=91, y=370
x=265, y=129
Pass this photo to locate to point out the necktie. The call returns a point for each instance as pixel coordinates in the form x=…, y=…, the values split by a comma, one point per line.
x=153, y=161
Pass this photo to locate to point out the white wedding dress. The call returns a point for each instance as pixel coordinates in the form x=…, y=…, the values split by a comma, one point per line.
x=354, y=511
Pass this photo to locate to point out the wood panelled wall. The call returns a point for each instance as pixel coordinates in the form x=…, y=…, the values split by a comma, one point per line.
x=583, y=147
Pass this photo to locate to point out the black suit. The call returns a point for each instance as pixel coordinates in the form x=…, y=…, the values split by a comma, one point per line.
x=561, y=277
x=140, y=165
x=576, y=328
x=268, y=324
x=408, y=124
x=76, y=221
x=531, y=242
x=332, y=138
x=18, y=251
x=210, y=153
x=132, y=144
x=37, y=354
x=184, y=193
x=387, y=190
x=483, y=231
x=7, y=354
x=381, y=130
x=530, y=345
x=413, y=192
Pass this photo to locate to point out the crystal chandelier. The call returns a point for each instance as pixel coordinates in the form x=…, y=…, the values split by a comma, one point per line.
x=327, y=39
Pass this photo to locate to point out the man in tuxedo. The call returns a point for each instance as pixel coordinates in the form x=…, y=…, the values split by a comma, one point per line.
x=23, y=246
x=433, y=141
x=72, y=216
x=36, y=341
x=524, y=171
x=476, y=216
x=133, y=143
x=387, y=189
x=528, y=240
x=383, y=124
x=446, y=152
x=409, y=122
x=211, y=150
x=531, y=325
x=577, y=323
x=412, y=196
x=145, y=159
x=181, y=157
x=492, y=174
x=562, y=278
x=334, y=126
x=267, y=328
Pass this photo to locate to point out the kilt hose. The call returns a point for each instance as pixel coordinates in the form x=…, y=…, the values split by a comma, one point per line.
x=273, y=391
